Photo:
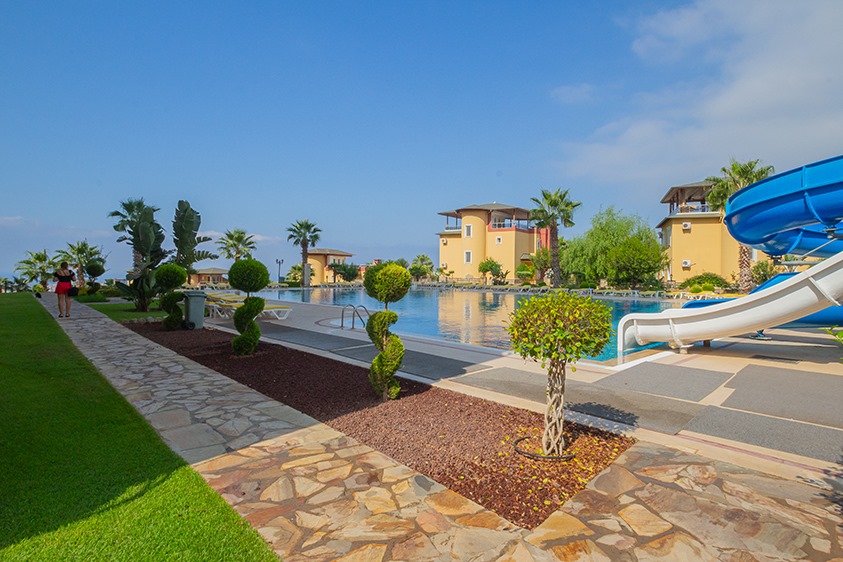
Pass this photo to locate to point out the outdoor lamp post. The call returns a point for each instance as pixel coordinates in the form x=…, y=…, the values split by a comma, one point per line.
x=279, y=262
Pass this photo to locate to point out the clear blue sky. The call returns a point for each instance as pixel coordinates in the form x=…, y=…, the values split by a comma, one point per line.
x=371, y=117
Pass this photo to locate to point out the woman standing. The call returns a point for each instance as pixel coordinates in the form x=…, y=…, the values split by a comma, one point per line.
x=65, y=279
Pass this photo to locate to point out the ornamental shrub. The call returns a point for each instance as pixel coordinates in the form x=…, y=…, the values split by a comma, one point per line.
x=248, y=275
x=390, y=356
x=170, y=276
x=712, y=278
x=556, y=329
x=169, y=304
x=386, y=283
x=167, y=278
x=707, y=287
x=244, y=321
x=695, y=289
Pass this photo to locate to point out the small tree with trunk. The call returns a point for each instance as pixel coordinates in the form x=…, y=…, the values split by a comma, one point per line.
x=386, y=283
x=557, y=329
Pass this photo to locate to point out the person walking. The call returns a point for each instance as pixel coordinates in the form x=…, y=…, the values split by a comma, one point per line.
x=65, y=277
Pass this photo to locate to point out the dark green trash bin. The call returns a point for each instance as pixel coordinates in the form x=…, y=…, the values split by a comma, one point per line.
x=194, y=309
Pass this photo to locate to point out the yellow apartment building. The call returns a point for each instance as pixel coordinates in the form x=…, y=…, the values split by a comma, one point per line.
x=695, y=237
x=319, y=258
x=472, y=234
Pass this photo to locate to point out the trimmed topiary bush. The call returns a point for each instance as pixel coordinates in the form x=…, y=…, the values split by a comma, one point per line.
x=169, y=304
x=168, y=277
x=707, y=287
x=249, y=276
x=556, y=329
x=702, y=278
x=386, y=283
x=695, y=289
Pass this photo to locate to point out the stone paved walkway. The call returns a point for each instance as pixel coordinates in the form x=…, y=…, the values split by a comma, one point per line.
x=316, y=494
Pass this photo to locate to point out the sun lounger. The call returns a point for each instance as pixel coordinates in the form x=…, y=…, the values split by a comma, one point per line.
x=226, y=310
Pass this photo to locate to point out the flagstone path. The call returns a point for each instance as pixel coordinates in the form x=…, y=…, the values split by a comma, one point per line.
x=316, y=494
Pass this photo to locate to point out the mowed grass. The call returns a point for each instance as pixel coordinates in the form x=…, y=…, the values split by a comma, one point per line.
x=124, y=311
x=82, y=475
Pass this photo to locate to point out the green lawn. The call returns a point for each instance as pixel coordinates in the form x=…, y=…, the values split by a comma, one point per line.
x=124, y=311
x=82, y=475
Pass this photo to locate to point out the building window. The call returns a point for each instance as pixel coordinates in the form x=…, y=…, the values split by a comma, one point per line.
x=498, y=240
x=468, y=257
x=468, y=231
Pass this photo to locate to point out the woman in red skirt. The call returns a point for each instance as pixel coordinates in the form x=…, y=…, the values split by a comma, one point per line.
x=65, y=279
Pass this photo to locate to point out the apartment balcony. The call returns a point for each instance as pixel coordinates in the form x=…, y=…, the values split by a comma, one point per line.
x=688, y=209
x=453, y=227
x=510, y=223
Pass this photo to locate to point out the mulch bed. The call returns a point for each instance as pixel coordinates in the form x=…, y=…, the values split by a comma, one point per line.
x=462, y=442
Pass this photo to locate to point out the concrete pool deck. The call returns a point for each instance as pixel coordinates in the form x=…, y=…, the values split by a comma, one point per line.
x=316, y=494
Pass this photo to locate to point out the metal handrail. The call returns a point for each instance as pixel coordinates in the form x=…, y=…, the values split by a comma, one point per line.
x=355, y=312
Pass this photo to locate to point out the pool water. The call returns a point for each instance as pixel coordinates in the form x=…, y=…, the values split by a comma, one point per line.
x=473, y=317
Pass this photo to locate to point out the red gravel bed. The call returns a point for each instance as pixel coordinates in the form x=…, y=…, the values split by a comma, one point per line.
x=462, y=442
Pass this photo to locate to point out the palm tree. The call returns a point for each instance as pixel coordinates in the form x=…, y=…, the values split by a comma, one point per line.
x=552, y=208
x=4, y=284
x=79, y=255
x=38, y=266
x=129, y=213
x=305, y=234
x=236, y=244
x=737, y=176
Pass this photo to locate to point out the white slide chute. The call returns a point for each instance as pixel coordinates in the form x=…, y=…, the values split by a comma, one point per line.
x=794, y=211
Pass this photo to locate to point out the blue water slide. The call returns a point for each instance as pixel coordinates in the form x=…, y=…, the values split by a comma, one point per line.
x=791, y=212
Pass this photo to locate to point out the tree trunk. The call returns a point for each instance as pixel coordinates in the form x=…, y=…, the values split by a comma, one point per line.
x=305, y=276
x=80, y=278
x=745, y=269
x=553, y=442
x=554, y=256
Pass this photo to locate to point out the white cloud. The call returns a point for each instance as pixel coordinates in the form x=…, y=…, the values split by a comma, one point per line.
x=773, y=95
x=11, y=221
x=575, y=93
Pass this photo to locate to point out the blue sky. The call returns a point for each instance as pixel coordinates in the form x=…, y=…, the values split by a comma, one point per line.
x=369, y=118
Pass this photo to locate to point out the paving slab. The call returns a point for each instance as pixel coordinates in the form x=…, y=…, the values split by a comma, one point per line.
x=789, y=394
x=804, y=439
x=433, y=367
x=671, y=381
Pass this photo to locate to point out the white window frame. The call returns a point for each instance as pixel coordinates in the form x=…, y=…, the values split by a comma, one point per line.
x=498, y=240
x=468, y=231
x=467, y=256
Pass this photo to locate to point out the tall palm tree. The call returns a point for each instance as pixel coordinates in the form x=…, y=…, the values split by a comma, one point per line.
x=79, y=255
x=552, y=208
x=305, y=234
x=129, y=213
x=737, y=176
x=38, y=266
x=236, y=244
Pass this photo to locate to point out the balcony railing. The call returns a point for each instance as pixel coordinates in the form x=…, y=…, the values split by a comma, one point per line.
x=705, y=208
x=509, y=223
x=453, y=227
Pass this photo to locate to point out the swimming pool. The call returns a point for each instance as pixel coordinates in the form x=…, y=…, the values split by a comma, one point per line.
x=474, y=317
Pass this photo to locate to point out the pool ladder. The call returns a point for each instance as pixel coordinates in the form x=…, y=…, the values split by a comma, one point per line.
x=355, y=313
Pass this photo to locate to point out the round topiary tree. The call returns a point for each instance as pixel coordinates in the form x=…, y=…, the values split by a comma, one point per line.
x=557, y=329
x=249, y=276
x=169, y=277
x=386, y=283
